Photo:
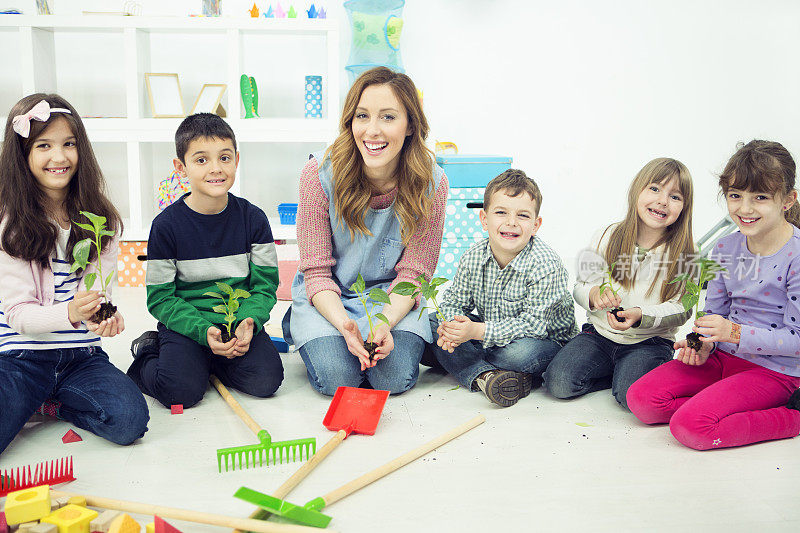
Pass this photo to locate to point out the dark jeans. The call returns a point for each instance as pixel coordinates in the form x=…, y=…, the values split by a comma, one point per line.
x=95, y=395
x=590, y=362
x=178, y=372
x=471, y=359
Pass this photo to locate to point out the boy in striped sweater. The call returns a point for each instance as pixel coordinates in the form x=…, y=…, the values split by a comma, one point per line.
x=207, y=236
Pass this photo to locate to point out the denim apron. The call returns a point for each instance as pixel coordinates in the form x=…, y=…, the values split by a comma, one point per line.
x=374, y=256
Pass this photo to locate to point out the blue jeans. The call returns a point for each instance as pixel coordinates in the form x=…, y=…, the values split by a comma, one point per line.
x=178, y=372
x=95, y=395
x=590, y=362
x=471, y=359
x=330, y=364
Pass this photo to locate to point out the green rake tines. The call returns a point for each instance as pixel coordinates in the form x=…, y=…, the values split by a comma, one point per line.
x=259, y=454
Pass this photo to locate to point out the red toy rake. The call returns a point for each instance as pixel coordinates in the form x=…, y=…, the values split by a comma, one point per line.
x=45, y=473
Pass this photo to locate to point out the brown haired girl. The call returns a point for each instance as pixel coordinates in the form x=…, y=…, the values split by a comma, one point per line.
x=373, y=203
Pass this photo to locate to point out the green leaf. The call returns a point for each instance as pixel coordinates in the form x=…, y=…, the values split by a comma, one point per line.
x=382, y=318
x=89, y=280
x=430, y=294
x=224, y=287
x=220, y=309
x=241, y=293
x=107, y=232
x=74, y=267
x=87, y=227
x=379, y=295
x=435, y=282
x=689, y=300
x=681, y=277
x=108, y=280
x=233, y=305
x=359, y=286
x=81, y=252
x=405, y=288
x=97, y=221
x=214, y=295
x=700, y=314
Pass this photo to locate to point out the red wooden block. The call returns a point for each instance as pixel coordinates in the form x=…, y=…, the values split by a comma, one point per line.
x=3, y=523
x=70, y=436
x=163, y=527
x=176, y=409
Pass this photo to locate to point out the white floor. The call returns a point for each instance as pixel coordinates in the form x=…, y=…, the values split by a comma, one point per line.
x=541, y=465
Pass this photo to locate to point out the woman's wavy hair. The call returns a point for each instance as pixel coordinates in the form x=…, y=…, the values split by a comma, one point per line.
x=29, y=233
x=415, y=182
x=677, y=237
x=762, y=166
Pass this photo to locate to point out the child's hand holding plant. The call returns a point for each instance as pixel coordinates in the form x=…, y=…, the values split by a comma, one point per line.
x=605, y=296
x=451, y=333
x=223, y=340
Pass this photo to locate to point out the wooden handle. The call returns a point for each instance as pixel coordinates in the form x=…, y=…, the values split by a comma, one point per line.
x=289, y=485
x=246, y=524
x=401, y=461
x=238, y=409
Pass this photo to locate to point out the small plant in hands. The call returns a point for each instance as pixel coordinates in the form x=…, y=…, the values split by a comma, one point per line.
x=609, y=285
x=377, y=296
x=80, y=254
x=428, y=289
x=228, y=307
x=707, y=270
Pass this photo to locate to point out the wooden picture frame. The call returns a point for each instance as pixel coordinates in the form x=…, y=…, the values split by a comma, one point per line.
x=164, y=92
x=210, y=99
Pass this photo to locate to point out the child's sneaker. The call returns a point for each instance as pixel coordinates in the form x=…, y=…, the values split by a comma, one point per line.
x=794, y=400
x=502, y=387
x=147, y=342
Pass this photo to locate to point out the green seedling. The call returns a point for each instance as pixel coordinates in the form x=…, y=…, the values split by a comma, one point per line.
x=609, y=285
x=706, y=271
x=428, y=289
x=81, y=252
x=376, y=296
x=228, y=307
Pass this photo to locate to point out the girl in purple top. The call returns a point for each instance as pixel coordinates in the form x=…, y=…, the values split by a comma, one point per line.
x=741, y=387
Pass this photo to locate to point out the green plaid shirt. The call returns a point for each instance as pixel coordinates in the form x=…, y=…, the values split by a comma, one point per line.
x=527, y=298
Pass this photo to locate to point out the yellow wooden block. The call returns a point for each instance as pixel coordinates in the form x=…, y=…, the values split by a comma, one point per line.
x=77, y=500
x=150, y=528
x=124, y=524
x=71, y=519
x=103, y=522
x=27, y=505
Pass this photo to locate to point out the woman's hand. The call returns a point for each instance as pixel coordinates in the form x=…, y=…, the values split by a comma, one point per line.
x=715, y=328
x=383, y=338
x=109, y=327
x=83, y=306
x=355, y=343
x=608, y=300
x=689, y=356
x=630, y=317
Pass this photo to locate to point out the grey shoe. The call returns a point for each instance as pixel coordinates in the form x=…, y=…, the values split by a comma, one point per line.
x=147, y=342
x=502, y=387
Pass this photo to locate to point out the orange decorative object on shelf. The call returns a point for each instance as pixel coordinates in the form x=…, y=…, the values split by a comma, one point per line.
x=131, y=270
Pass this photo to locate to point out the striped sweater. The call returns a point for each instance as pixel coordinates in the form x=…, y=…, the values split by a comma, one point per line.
x=188, y=252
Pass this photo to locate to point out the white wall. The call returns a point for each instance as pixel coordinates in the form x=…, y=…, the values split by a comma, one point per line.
x=581, y=93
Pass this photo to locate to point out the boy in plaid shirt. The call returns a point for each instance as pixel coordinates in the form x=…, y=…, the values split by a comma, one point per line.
x=517, y=286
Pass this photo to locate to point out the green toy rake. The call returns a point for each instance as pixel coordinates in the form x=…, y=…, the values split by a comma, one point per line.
x=259, y=454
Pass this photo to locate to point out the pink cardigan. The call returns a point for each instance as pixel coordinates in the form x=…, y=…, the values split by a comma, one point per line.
x=27, y=292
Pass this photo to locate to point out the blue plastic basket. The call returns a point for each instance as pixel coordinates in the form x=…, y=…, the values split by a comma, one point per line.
x=287, y=213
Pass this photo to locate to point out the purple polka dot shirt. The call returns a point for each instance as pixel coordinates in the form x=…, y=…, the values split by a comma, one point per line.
x=762, y=293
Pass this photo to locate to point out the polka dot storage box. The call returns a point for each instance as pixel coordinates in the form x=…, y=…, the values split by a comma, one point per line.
x=468, y=176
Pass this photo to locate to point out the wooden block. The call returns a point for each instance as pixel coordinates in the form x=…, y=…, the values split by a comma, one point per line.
x=150, y=528
x=62, y=501
x=124, y=524
x=103, y=522
x=26, y=527
x=27, y=505
x=77, y=500
x=71, y=519
x=42, y=527
x=176, y=409
x=163, y=527
x=3, y=523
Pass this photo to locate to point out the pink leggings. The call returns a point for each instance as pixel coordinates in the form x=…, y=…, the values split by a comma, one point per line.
x=725, y=402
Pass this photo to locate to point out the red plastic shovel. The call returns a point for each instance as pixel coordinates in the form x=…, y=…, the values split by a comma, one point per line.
x=352, y=410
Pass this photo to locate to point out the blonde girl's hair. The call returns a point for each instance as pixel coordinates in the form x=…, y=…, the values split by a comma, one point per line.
x=415, y=182
x=677, y=237
x=762, y=166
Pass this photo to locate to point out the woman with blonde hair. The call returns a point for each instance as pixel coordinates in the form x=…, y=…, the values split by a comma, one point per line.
x=372, y=204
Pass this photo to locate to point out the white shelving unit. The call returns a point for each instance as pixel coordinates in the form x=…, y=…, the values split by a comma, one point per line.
x=38, y=73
